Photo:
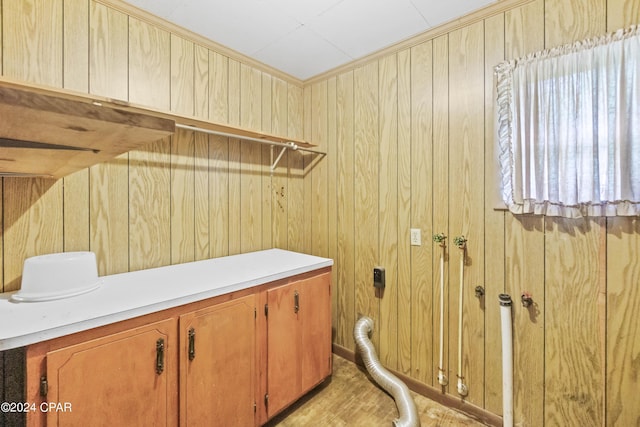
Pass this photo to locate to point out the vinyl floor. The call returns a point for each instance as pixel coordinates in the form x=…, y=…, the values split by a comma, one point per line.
x=351, y=398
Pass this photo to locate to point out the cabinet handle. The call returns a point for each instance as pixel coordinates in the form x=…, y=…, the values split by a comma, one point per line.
x=192, y=344
x=296, y=302
x=159, y=356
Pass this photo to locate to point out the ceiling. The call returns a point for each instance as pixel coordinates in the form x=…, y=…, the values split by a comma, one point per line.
x=304, y=38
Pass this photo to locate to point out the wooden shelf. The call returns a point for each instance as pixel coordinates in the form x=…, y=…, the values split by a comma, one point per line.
x=54, y=132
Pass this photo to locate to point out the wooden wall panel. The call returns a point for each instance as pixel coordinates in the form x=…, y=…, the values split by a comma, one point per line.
x=76, y=77
x=466, y=179
x=441, y=204
x=307, y=162
x=332, y=185
x=280, y=187
x=345, y=260
x=149, y=167
x=388, y=209
x=318, y=171
x=32, y=37
x=251, y=161
x=622, y=14
x=366, y=191
x=235, y=204
x=623, y=337
x=182, y=75
x=524, y=250
x=183, y=197
x=569, y=21
x=494, y=223
x=573, y=393
x=421, y=209
x=32, y=223
x=108, y=52
x=404, y=211
x=267, y=208
x=33, y=208
x=295, y=198
x=219, y=165
x=201, y=152
x=201, y=82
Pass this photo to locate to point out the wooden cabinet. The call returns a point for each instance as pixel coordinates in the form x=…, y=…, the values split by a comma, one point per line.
x=210, y=362
x=120, y=379
x=298, y=339
x=217, y=365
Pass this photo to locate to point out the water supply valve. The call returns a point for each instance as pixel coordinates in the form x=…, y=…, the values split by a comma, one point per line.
x=479, y=291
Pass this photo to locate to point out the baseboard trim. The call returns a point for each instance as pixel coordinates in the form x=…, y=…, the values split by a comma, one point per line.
x=430, y=392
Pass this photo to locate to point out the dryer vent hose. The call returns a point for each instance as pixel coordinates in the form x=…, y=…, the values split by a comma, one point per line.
x=385, y=379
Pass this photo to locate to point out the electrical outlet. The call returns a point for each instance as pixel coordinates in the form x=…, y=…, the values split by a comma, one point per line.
x=378, y=277
x=416, y=238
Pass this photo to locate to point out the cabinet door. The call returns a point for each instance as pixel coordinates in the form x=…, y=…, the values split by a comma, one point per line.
x=315, y=318
x=122, y=379
x=283, y=347
x=217, y=358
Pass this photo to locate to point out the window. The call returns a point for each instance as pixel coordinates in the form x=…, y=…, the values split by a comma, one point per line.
x=569, y=128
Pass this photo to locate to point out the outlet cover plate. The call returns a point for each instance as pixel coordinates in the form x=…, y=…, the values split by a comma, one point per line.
x=416, y=238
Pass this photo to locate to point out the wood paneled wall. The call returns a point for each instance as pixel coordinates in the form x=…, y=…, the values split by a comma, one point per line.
x=185, y=198
x=415, y=149
x=409, y=142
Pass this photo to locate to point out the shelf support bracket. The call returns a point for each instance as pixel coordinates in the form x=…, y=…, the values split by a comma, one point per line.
x=274, y=164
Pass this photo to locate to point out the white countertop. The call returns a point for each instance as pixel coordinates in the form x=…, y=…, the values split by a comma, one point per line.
x=128, y=295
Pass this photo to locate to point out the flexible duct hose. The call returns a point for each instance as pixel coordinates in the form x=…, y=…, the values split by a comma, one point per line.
x=385, y=379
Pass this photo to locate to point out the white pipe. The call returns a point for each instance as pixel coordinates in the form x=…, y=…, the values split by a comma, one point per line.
x=408, y=413
x=462, y=388
x=507, y=360
x=442, y=378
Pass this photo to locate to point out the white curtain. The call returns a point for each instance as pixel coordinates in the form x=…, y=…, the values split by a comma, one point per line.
x=569, y=128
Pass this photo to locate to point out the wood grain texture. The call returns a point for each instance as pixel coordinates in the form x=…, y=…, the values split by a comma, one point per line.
x=573, y=394
x=524, y=272
x=466, y=179
x=265, y=169
x=108, y=52
x=33, y=36
x=524, y=251
x=524, y=30
x=569, y=21
x=76, y=45
x=307, y=161
x=404, y=211
x=76, y=77
x=32, y=223
x=280, y=188
x=622, y=14
x=201, y=152
x=366, y=199
x=235, y=203
x=201, y=82
x=295, y=199
x=319, y=171
x=182, y=75
x=623, y=328
x=388, y=208
x=251, y=161
x=150, y=206
x=202, y=238
x=149, y=65
x=344, y=288
x=183, y=197
x=421, y=210
x=441, y=204
x=332, y=188
x=494, y=223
